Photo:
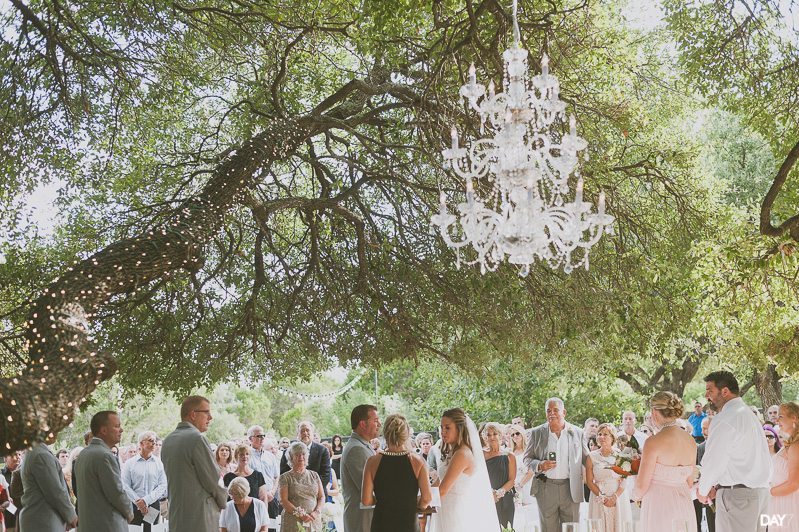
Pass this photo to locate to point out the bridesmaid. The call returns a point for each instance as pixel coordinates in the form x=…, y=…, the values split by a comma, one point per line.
x=392, y=479
x=608, y=500
x=785, y=478
x=667, y=462
x=502, y=473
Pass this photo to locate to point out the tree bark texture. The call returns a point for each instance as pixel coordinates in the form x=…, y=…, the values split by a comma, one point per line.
x=65, y=365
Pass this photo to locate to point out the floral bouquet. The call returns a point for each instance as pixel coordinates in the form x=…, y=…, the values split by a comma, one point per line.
x=627, y=462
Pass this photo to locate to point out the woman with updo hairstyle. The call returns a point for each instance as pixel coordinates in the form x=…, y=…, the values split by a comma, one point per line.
x=608, y=501
x=243, y=513
x=667, y=462
x=392, y=479
x=501, y=466
x=785, y=477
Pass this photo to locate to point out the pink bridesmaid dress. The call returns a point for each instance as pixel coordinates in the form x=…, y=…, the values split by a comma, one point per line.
x=787, y=505
x=668, y=500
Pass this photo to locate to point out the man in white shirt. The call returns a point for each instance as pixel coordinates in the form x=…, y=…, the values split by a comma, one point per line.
x=736, y=466
x=144, y=480
x=556, y=453
x=628, y=422
x=265, y=461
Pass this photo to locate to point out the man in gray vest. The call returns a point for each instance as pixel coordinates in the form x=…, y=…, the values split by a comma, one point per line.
x=556, y=454
x=46, y=505
x=195, y=496
x=365, y=426
x=103, y=504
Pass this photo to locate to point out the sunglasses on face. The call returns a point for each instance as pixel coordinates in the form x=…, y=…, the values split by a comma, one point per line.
x=259, y=436
x=516, y=434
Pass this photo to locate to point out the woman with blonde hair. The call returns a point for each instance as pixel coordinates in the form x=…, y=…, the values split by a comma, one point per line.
x=608, y=502
x=467, y=502
x=501, y=467
x=668, y=460
x=392, y=479
x=785, y=476
x=526, y=507
x=243, y=470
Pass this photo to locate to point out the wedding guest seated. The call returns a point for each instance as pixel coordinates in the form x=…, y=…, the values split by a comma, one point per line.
x=301, y=493
x=501, y=466
x=243, y=470
x=224, y=459
x=392, y=479
x=243, y=513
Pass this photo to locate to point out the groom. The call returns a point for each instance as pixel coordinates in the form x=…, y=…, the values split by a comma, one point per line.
x=556, y=455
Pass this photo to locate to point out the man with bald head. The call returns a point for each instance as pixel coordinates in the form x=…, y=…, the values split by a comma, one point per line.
x=318, y=457
x=628, y=422
x=195, y=496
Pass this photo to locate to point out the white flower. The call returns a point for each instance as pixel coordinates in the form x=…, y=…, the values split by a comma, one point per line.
x=627, y=466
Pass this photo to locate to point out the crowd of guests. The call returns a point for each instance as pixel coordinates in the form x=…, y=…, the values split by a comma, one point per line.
x=722, y=463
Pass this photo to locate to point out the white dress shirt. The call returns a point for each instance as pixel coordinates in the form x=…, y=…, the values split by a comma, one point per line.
x=736, y=451
x=561, y=447
x=267, y=463
x=144, y=479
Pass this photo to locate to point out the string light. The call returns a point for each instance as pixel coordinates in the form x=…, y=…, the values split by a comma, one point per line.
x=32, y=409
x=317, y=396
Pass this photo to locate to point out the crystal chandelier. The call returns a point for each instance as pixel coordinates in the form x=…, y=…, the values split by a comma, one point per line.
x=525, y=215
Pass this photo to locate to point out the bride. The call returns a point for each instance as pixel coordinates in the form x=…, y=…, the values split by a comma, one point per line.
x=467, y=504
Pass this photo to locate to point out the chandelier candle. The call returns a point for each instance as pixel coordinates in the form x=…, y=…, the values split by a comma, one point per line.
x=525, y=216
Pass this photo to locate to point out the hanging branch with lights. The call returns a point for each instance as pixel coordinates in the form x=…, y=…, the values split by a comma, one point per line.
x=65, y=364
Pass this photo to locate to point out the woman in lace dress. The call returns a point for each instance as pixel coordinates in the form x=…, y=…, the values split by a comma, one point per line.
x=301, y=493
x=608, y=500
x=467, y=501
x=668, y=461
x=785, y=478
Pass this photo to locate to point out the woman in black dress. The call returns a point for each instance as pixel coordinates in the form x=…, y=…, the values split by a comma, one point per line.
x=335, y=456
x=502, y=473
x=254, y=478
x=392, y=479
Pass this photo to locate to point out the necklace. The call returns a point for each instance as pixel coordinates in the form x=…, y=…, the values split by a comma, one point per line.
x=395, y=453
x=669, y=424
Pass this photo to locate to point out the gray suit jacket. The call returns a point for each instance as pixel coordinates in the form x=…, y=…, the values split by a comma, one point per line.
x=103, y=504
x=578, y=452
x=46, y=504
x=195, y=496
x=353, y=460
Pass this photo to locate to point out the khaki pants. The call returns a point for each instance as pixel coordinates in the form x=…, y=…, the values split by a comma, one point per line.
x=555, y=505
x=739, y=509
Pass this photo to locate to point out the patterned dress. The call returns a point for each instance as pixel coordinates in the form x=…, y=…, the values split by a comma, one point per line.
x=303, y=489
x=613, y=518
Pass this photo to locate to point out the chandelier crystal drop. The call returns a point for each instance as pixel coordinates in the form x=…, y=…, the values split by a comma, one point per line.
x=525, y=216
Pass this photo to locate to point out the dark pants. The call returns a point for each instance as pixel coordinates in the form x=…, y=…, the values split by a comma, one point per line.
x=274, y=509
x=709, y=514
x=138, y=518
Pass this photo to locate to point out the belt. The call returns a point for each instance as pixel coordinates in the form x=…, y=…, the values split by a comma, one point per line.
x=544, y=478
x=734, y=486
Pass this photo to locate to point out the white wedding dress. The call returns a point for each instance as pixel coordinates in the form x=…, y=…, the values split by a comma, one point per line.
x=469, y=505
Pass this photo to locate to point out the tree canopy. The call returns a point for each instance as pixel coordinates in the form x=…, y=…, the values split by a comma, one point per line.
x=245, y=190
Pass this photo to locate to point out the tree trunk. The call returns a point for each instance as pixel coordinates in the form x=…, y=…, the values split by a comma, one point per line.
x=65, y=365
x=768, y=386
